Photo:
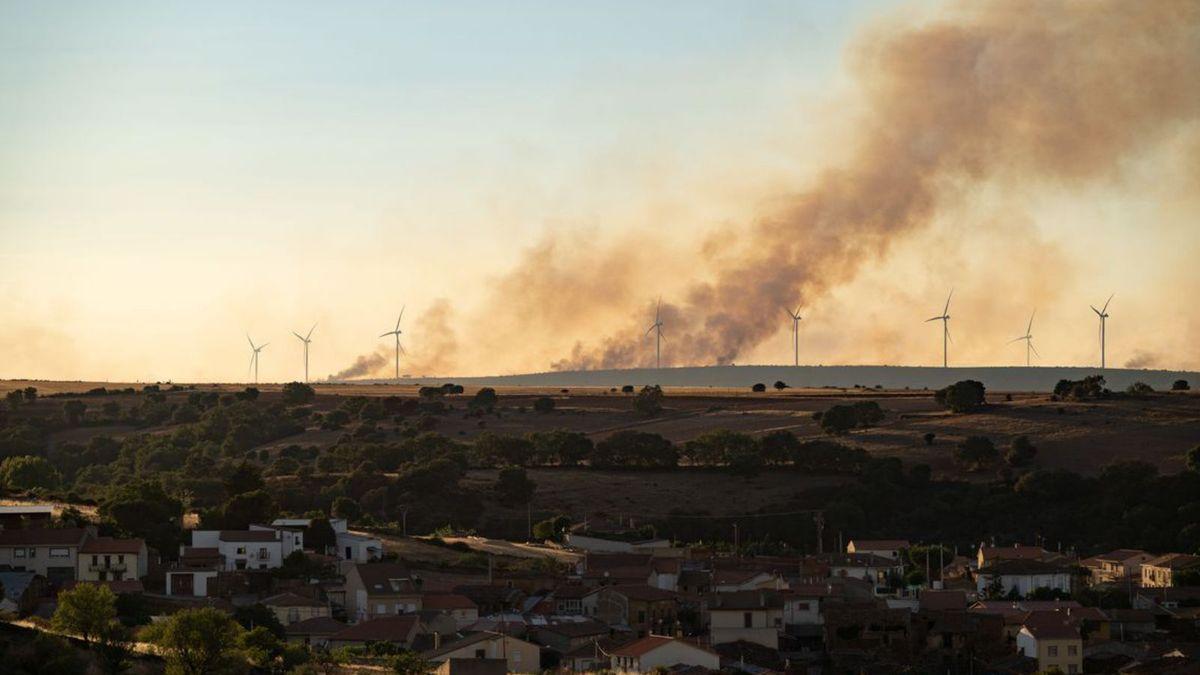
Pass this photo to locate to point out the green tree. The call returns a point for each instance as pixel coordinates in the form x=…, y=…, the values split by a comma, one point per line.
x=345, y=507
x=73, y=411
x=245, y=478
x=298, y=393
x=250, y=507
x=779, y=447
x=25, y=473
x=31, y=393
x=977, y=452
x=965, y=396
x=485, y=399
x=198, y=642
x=144, y=509
x=649, y=401
x=1193, y=459
x=260, y=646
x=1021, y=452
x=758, y=388
x=319, y=535
x=513, y=487
x=567, y=448
x=15, y=398
x=90, y=612
x=410, y=663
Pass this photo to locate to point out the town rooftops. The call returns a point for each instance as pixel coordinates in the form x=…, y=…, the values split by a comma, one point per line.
x=1014, y=552
x=101, y=545
x=386, y=577
x=643, y=592
x=247, y=536
x=1019, y=566
x=446, y=601
x=1174, y=561
x=1050, y=626
x=318, y=625
x=289, y=599
x=575, y=629
x=859, y=560
x=745, y=600
x=69, y=536
x=639, y=648
x=28, y=510
x=473, y=638
x=15, y=583
x=574, y=591
x=943, y=600
x=1120, y=555
x=382, y=629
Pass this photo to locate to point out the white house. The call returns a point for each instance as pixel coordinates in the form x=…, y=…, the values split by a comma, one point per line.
x=358, y=548
x=1024, y=576
x=576, y=600
x=753, y=616
x=660, y=651
x=50, y=552
x=243, y=549
x=291, y=538
x=877, y=570
x=195, y=572
x=108, y=559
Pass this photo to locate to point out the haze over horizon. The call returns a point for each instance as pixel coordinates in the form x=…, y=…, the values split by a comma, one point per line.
x=529, y=181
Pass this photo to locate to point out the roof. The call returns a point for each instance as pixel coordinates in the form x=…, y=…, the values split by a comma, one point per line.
x=446, y=601
x=1121, y=555
x=1019, y=566
x=289, y=599
x=576, y=628
x=743, y=600
x=1015, y=552
x=385, y=577
x=943, y=600
x=643, y=592
x=861, y=560
x=879, y=544
x=1174, y=561
x=247, y=536
x=26, y=510
x=43, y=536
x=318, y=625
x=588, y=649
x=1050, y=626
x=473, y=638
x=15, y=583
x=734, y=576
x=382, y=629
x=111, y=545
x=474, y=666
x=572, y=591
x=644, y=646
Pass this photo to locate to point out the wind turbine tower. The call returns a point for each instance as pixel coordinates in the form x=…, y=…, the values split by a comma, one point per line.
x=1028, y=338
x=1103, y=314
x=795, y=334
x=945, y=319
x=306, y=339
x=656, y=328
x=254, y=356
x=396, y=332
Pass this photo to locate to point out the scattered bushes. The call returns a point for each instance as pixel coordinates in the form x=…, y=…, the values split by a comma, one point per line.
x=965, y=396
x=780, y=385
x=977, y=452
x=1139, y=389
x=1090, y=387
x=1021, y=452
x=649, y=401
x=759, y=387
x=840, y=419
x=1180, y=385
x=298, y=393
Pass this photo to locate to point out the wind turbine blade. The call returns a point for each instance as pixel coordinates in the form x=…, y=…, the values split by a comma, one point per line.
x=251, y=366
x=789, y=312
x=947, y=309
x=298, y=336
x=1095, y=310
x=402, y=308
x=310, y=330
x=936, y=318
x=263, y=345
x=401, y=348
x=948, y=335
x=797, y=312
x=250, y=341
x=391, y=332
x=1030, y=328
x=1035, y=351
x=651, y=329
x=1015, y=340
x=1105, y=309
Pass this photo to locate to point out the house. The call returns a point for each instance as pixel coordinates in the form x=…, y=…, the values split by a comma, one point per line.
x=751, y=616
x=243, y=549
x=358, y=548
x=1161, y=572
x=400, y=631
x=1119, y=566
x=1023, y=576
x=590, y=657
x=879, y=571
x=575, y=600
x=993, y=554
x=1053, y=641
x=884, y=548
x=520, y=656
x=660, y=651
x=21, y=592
x=734, y=580
x=195, y=573
x=314, y=632
x=460, y=608
x=291, y=537
x=664, y=573
x=641, y=608
x=491, y=599
x=105, y=558
x=47, y=552
x=565, y=636
x=380, y=589
x=291, y=608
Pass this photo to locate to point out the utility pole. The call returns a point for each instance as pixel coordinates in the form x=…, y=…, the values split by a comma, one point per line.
x=404, y=520
x=819, y=519
x=529, y=520
x=735, y=540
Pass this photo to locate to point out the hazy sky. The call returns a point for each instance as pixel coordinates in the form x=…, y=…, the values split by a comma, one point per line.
x=174, y=175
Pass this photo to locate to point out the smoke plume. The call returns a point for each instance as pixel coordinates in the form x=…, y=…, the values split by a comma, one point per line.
x=363, y=366
x=1008, y=92
x=433, y=350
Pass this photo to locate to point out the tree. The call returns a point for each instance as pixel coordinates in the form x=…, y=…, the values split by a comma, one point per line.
x=1139, y=389
x=198, y=642
x=977, y=451
x=145, y=510
x=627, y=389
x=345, y=507
x=484, y=399
x=298, y=393
x=245, y=478
x=780, y=385
x=543, y=404
x=1180, y=385
x=111, y=410
x=839, y=419
x=249, y=507
x=15, y=398
x=779, y=447
x=89, y=611
x=259, y=615
x=31, y=393
x=248, y=394
x=513, y=487
x=629, y=448
x=319, y=535
x=25, y=473
x=550, y=528
x=410, y=663
x=568, y=448
x=260, y=646
x=965, y=396
x=1021, y=452
x=758, y=388
x=73, y=411
x=649, y=401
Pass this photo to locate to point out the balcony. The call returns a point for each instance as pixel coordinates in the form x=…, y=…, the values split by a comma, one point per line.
x=108, y=567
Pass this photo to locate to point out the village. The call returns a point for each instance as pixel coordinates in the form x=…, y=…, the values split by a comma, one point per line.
x=610, y=599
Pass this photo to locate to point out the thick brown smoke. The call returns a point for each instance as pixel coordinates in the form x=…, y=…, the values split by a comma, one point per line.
x=1008, y=91
x=364, y=365
x=432, y=348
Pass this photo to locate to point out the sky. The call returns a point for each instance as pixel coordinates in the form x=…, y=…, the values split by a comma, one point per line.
x=176, y=176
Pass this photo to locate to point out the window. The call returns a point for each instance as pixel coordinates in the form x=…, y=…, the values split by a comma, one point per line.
x=241, y=550
x=95, y=560
x=480, y=654
x=1052, y=651
x=60, y=553
x=747, y=620
x=19, y=553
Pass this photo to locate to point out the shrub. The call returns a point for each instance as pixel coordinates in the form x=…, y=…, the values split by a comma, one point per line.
x=961, y=397
x=543, y=404
x=780, y=385
x=1180, y=385
x=842, y=418
x=25, y=472
x=298, y=393
x=758, y=387
x=485, y=399
x=513, y=487
x=977, y=452
x=648, y=401
x=1139, y=389
x=1021, y=452
x=627, y=389
x=1089, y=387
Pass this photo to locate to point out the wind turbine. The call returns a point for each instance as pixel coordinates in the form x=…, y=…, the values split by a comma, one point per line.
x=795, y=332
x=396, y=331
x=254, y=356
x=1103, y=314
x=945, y=319
x=657, y=328
x=306, y=339
x=1028, y=338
